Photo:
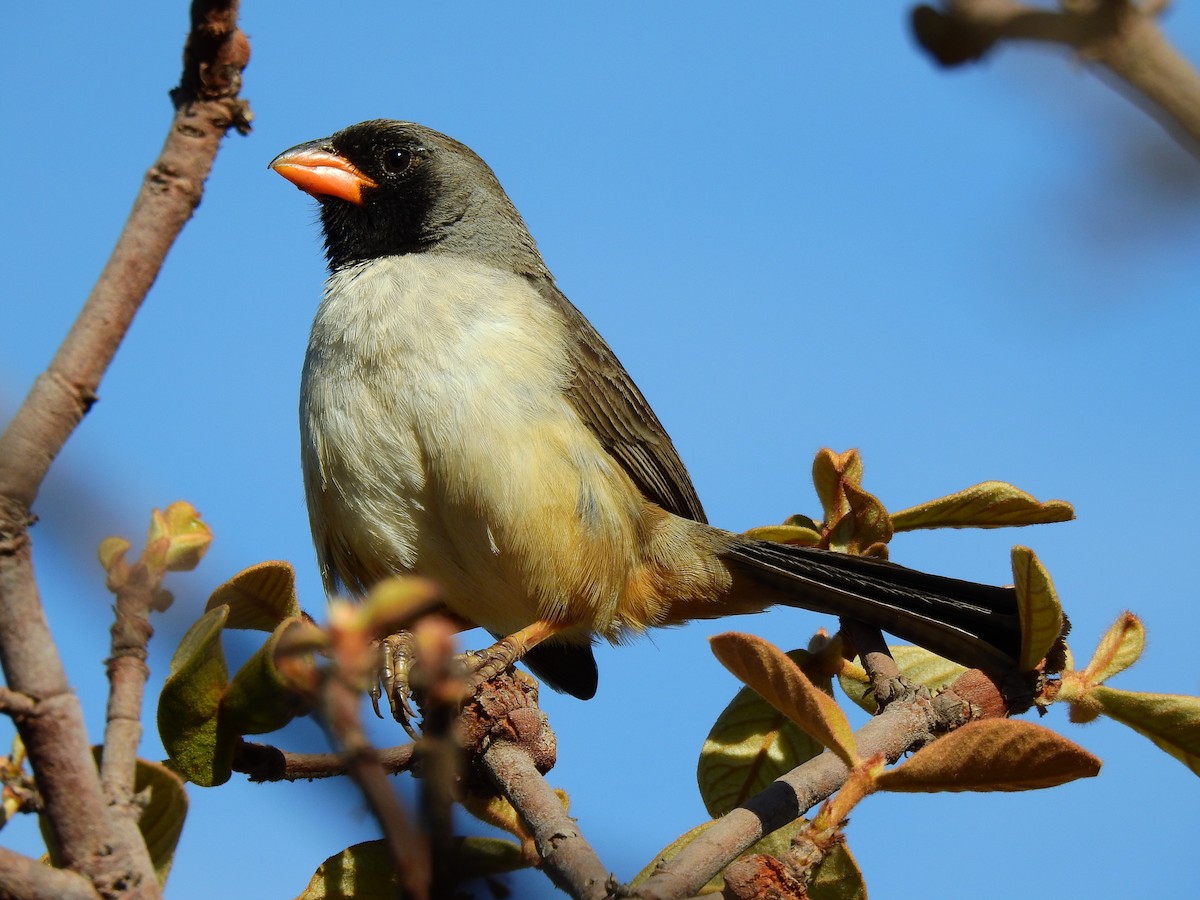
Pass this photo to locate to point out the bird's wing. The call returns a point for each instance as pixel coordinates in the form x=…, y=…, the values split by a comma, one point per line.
x=611, y=405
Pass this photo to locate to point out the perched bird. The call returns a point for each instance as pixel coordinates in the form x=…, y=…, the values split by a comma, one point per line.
x=461, y=419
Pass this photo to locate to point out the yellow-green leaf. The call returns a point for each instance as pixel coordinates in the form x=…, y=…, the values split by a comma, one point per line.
x=786, y=534
x=837, y=877
x=750, y=745
x=261, y=698
x=1120, y=648
x=1171, y=721
x=1037, y=603
x=498, y=812
x=165, y=809
x=189, y=537
x=198, y=744
x=669, y=852
x=259, y=597
x=365, y=871
x=992, y=755
x=768, y=670
x=112, y=552
x=916, y=664
x=991, y=504
x=360, y=872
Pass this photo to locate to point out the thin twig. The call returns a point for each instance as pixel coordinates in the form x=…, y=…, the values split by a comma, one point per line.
x=127, y=673
x=262, y=762
x=407, y=846
x=877, y=661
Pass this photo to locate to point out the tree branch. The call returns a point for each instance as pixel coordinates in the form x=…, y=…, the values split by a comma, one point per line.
x=262, y=762
x=28, y=879
x=1120, y=34
x=899, y=728
x=54, y=733
x=569, y=860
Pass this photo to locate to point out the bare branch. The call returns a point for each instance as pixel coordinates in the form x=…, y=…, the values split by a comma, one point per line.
x=899, y=728
x=28, y=879
x=1120, y=34
x=54, y=733
x=339, y=713
x=569, y=860
x=262, y=762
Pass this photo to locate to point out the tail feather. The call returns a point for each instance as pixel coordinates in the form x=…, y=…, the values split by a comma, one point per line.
x=569, y=668
x=973, y=624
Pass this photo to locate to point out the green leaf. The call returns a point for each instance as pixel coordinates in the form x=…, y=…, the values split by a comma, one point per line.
x=361, y=872
x=991, y=504
x=260, y=698
x=1171, y=721
x=669, y=852
x=260, y=597
x=479, y=857
x=838, y=877
x=750, y=745
x=198, y=744
x=992, y=755
x=365, y=871
x=1037, y=604
x=767, y=670
x=163, y=815
x=916, y=664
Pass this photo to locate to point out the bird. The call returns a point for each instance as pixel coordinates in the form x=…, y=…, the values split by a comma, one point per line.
x=460, y=419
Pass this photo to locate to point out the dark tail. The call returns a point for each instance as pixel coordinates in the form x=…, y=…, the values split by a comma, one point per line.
x=973, y=624
x=569, y=668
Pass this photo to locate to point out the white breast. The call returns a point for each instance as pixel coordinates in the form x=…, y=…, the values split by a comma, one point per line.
x=436, y=439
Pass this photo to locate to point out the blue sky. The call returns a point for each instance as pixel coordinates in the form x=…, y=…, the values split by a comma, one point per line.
x=795, y=233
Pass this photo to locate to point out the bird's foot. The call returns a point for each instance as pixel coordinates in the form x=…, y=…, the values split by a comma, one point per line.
x=398, y=654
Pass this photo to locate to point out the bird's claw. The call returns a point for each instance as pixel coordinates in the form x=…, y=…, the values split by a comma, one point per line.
x=396, y=656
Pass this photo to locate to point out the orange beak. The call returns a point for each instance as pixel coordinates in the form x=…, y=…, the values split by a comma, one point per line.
x=322, y=173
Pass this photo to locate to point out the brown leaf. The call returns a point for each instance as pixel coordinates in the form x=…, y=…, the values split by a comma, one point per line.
x=992, y=755
x=768, y=670
x=990, y=504
x=749, y=746
x=829, y=473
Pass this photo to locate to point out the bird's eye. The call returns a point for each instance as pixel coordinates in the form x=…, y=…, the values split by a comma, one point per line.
x=397, y=160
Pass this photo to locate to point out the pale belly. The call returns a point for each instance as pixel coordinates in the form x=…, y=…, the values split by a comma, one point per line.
x=436, y=439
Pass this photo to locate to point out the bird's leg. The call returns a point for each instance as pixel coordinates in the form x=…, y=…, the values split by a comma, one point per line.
x=481, y=665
